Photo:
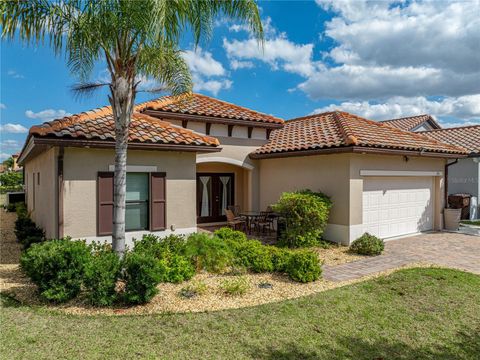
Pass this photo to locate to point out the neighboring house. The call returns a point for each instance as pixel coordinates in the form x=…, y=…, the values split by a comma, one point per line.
x=414, y=123
x=190, y=159
x=463, y=176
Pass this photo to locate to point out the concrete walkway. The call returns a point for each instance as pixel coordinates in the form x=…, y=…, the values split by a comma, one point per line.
x=445, y=249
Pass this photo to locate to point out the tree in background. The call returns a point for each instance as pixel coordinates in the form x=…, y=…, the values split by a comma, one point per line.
x=136, y=39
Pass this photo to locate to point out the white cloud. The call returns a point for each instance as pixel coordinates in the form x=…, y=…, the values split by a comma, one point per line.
x=47, y=114
x=278, y=52
x=15, y=75
x=4, y=156
x=13, y=128
x=466, y=108
x=392, y=48
x=208, y=74
x=10, y=144
x=236, y=64
x=202, y=62
x=268, y=28
x=212, y=86
x=3, y=106
x=374, y=82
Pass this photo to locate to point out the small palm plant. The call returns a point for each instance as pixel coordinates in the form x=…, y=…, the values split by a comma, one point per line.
x=136, y=39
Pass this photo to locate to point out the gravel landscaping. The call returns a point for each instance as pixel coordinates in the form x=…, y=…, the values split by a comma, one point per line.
x=169, y=299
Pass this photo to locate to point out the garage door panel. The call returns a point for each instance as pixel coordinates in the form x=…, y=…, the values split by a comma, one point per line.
x=397, y=206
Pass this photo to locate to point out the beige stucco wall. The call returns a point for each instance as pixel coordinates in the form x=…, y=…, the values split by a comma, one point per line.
x=325, y=173
x=80, y=186
x=338, y=176
x=44, y=213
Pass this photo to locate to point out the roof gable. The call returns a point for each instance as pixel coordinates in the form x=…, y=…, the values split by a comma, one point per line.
x=412, y=123
x=337, y=130
x=99, y=125
x=207, y=107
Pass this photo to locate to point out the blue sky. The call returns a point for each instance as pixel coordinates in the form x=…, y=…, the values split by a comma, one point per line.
x=380, y=60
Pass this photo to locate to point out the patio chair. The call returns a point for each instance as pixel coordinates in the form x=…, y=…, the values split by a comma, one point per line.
x=233, y=221
x=235, y=209
x=262, y=222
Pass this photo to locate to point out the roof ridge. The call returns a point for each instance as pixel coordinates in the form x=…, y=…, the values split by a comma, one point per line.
x=345, y=129
x=449, y=129
x=237, y=106
x=311, y=116
x=406, y=117
x=413, y=134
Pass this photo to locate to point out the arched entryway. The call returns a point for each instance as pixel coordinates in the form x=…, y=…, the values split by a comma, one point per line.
x=221, y=183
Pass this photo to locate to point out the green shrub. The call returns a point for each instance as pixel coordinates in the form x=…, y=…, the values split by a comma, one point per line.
x=228, y=234
x=367, y=245
x=176, y=269
x=57, y=267
x=306, y=215
x=21, y=209
x=304, y=266
x=280, y=258
x=141, y=273
x=26, y=231
x=208, y=253
x=101, y=275
x=11, y=207
x=235, y=287
x=194, y=289
x=254, y=256
x=160, y=248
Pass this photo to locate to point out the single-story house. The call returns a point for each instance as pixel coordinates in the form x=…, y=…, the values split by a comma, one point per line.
x=189, y=159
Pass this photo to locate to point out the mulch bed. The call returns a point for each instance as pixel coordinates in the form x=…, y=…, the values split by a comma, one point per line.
x=14, y=282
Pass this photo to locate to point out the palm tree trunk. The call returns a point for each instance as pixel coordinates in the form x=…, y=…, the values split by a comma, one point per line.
x=122, y=98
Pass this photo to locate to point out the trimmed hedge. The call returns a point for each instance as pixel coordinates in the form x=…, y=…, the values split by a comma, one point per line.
x=304, y=266
x=368, y=244
x=26, y=231
x=101, y=274
x=142, y=273
x=57, y=267
x=306, y=215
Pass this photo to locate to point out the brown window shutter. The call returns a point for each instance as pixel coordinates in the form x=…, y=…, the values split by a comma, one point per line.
x=105, y=203
x=158, y=201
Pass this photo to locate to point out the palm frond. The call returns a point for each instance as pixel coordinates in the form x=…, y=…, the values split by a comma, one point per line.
x=86, y=89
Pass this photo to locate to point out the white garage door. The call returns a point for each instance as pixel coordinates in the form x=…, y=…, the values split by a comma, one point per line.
x=394, y=206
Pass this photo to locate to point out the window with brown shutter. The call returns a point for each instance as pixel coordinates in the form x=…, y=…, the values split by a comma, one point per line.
x=158, y=202
x=156, y=199
x=105, y=203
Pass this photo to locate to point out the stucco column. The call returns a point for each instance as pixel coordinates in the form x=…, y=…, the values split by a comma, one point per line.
x=249, y=189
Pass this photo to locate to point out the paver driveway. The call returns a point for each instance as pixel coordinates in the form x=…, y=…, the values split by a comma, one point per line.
x=445, y=249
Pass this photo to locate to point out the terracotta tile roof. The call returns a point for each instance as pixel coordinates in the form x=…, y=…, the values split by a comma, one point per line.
x=467, y=137
x=340, y=129
x=411, y=122
x=98, y=124
x=202, y=105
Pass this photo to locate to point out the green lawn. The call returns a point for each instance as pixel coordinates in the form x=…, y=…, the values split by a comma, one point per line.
x=412, y=314
x=471, y=222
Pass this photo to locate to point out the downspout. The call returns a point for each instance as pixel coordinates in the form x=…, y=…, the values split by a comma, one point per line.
x=60, y=193
x=446, y=181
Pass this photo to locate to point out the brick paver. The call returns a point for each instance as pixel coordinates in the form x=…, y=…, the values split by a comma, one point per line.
x=445, y=249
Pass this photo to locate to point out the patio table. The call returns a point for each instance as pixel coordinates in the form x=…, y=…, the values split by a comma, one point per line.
x=250, y=216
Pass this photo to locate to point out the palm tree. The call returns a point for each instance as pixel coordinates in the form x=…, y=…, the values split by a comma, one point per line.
x=136, y=39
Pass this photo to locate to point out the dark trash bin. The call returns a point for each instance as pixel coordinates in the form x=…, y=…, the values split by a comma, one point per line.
x=460, y=201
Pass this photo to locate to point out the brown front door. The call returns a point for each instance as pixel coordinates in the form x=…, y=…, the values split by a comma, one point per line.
x=215, y=192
